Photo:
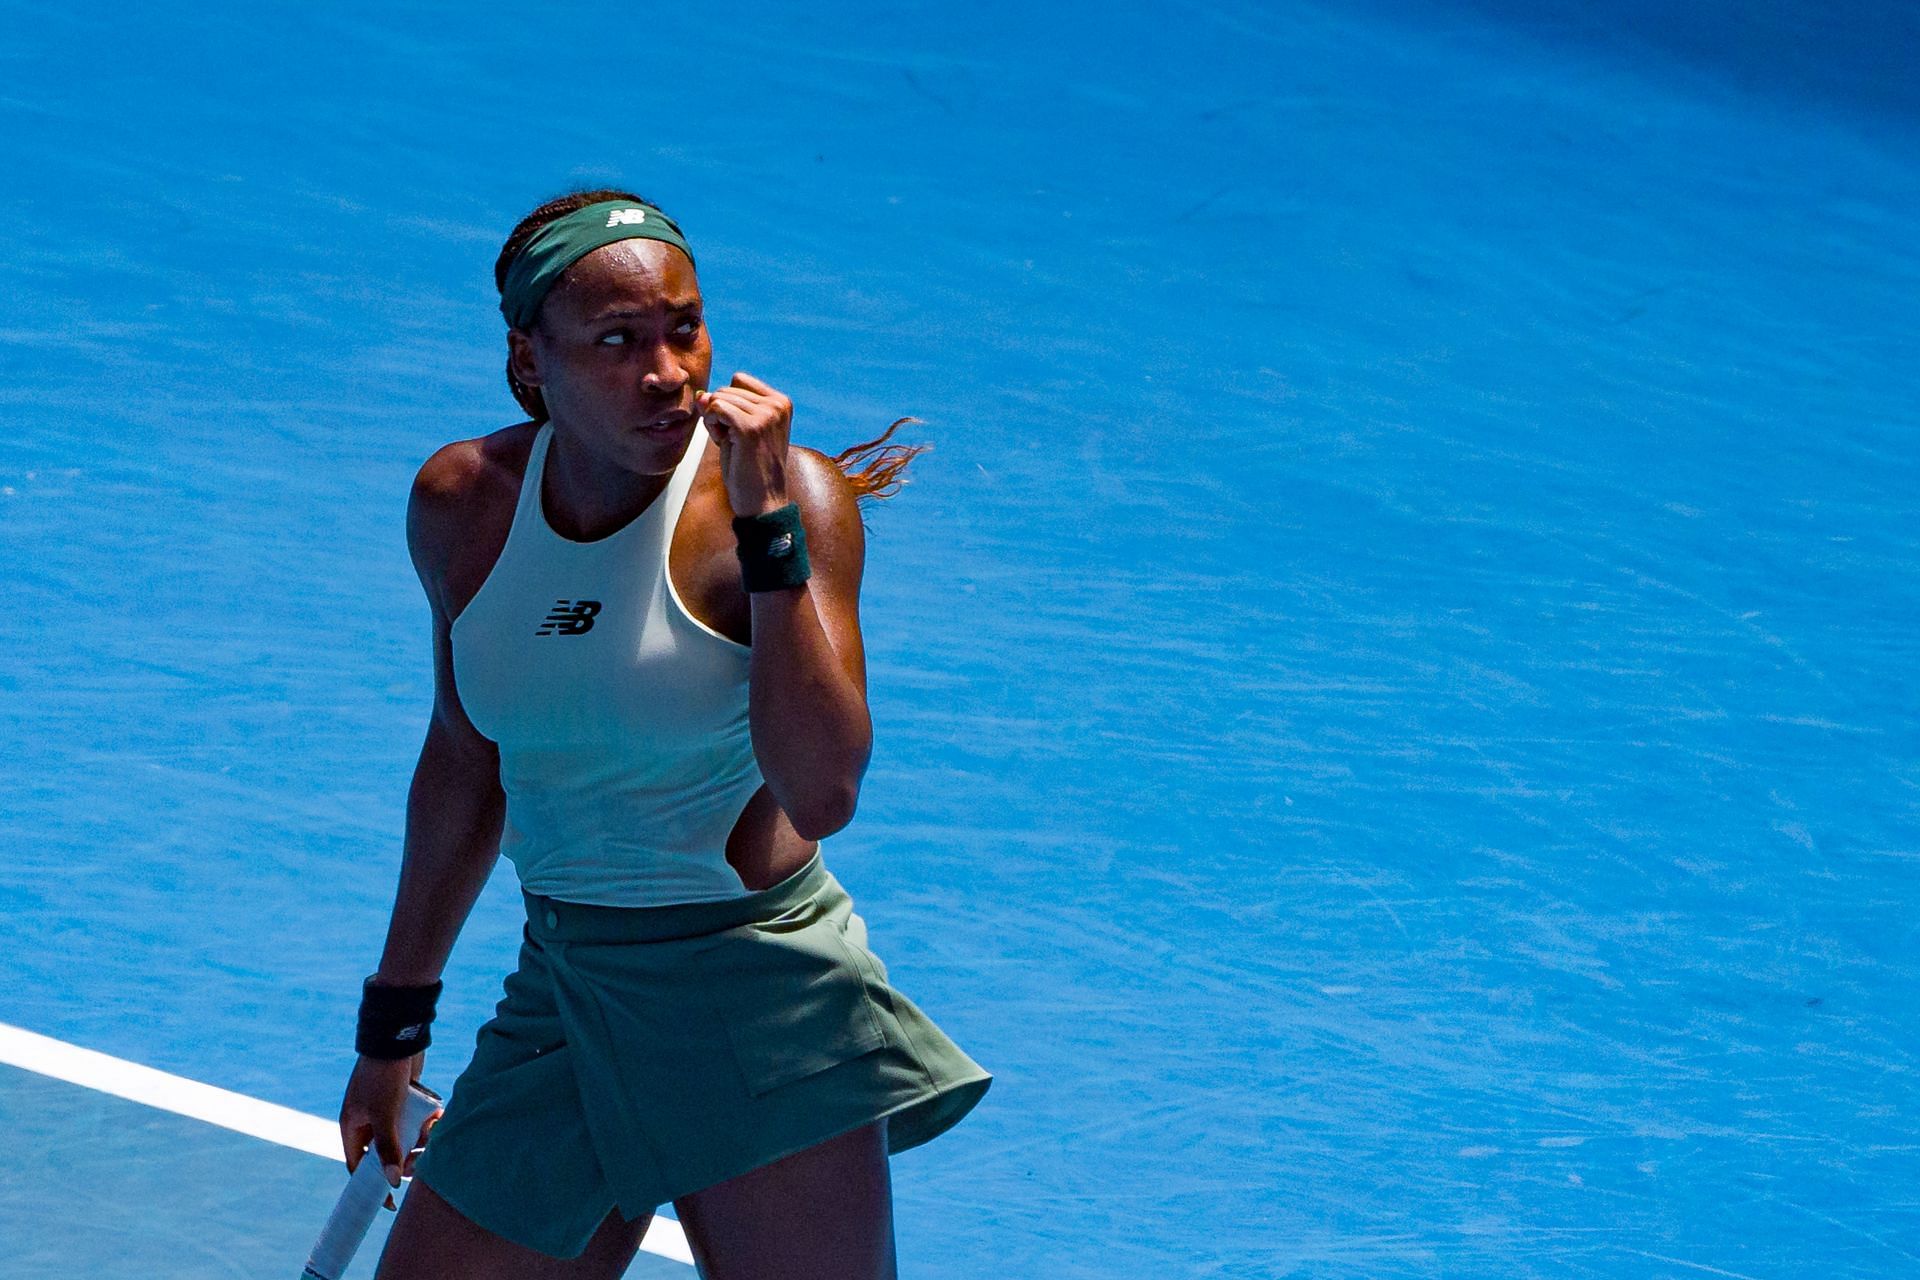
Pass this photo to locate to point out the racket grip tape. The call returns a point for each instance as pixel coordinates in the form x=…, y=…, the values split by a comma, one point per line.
x=364, y=1195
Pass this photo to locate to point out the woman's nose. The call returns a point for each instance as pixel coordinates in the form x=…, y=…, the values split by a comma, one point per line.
x=664, y=374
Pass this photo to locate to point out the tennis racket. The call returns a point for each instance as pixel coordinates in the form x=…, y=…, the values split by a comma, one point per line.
x=366, y=1191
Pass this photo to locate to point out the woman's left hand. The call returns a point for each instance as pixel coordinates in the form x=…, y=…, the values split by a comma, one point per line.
x=749, y=420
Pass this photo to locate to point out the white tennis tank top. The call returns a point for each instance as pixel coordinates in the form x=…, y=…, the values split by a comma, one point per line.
x=625, y=750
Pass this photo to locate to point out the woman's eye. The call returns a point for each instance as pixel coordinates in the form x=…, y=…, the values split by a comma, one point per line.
x=615, y=338
x=690, y=326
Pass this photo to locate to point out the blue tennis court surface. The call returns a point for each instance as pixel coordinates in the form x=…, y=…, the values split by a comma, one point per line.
x=1395, y=692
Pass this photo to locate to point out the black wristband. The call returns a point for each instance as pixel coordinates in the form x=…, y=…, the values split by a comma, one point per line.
x=772, y=549
x=395, y=1021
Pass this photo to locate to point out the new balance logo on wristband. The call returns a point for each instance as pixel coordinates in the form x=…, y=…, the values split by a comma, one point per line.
x=413, y=1032
x=569, y=618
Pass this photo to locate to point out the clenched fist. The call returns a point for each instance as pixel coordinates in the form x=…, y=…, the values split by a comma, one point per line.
x=749, y=420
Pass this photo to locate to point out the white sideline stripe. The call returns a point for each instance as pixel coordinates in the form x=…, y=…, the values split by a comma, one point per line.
x=267, y=1121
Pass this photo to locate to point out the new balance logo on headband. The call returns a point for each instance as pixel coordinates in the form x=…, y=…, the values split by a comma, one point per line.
x=569, y=618
x=626, y=217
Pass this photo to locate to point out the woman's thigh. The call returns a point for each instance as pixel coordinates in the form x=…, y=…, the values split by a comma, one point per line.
x=431, y=1240
x=825, y=1213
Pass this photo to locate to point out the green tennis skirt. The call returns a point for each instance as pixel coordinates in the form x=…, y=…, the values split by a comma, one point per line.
x=643, y=1053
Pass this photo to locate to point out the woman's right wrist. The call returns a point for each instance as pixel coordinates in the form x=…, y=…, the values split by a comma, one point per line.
x=387, y=978
x=395, y=1020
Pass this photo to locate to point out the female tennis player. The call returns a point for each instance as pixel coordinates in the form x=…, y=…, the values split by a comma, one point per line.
x=650, y=694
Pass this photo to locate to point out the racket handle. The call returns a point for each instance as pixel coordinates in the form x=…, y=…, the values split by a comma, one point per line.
x=365, y=1194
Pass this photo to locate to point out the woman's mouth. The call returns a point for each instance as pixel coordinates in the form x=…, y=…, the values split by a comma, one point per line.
x=668, y=422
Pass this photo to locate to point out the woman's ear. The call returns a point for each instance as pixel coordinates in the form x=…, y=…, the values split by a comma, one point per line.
x=522, y=359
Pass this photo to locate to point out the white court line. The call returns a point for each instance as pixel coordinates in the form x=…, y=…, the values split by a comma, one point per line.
x=267, y=1121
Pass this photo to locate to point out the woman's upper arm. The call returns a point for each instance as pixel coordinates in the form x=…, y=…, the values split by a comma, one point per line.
x=836, y=551
x=438, y=511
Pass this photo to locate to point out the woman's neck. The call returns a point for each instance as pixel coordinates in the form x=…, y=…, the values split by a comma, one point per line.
x=586, y=496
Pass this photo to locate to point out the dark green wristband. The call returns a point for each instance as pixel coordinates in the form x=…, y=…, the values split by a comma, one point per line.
x=395, y=1022
x=772, y=549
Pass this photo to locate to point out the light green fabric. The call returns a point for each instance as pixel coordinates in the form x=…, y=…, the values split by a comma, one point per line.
x=643, y=1053
x=623, y=722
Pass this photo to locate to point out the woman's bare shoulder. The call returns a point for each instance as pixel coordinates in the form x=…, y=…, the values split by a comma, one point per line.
x=463, y=491
x=820, y=487
x=463, y=471
x=836, y=539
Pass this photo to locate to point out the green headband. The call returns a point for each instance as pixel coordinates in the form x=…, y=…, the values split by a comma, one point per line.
x=567, y=239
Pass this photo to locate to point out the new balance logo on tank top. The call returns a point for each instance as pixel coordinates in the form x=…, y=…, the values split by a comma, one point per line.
x=569, y=618
x=626, y=753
